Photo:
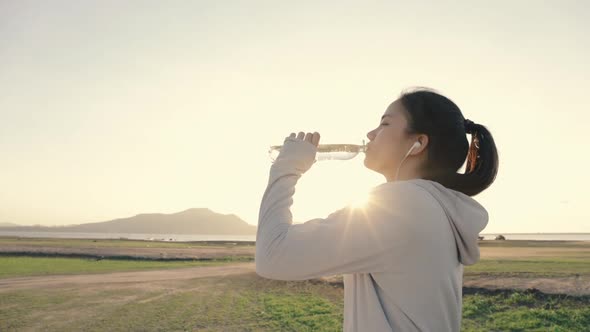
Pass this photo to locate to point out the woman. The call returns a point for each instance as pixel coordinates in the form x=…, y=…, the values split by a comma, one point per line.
x=402, y=254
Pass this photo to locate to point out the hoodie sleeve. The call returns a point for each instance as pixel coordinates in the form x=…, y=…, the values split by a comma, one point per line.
x=349, y=240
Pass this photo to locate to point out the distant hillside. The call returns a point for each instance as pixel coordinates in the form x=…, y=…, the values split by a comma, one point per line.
x=192, y=221
x=7, y=224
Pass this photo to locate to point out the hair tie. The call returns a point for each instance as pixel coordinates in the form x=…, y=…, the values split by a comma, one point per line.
x=469, y=126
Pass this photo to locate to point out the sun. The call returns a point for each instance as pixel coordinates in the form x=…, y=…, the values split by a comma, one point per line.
x=360, y=201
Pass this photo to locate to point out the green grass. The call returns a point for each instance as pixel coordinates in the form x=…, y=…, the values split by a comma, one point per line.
x=298, y=312
x=525, y=311
x=20, y=266
x=537, y=267
x=113, y=243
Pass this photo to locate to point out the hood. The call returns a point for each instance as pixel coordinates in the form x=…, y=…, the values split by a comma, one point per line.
x=466, y=217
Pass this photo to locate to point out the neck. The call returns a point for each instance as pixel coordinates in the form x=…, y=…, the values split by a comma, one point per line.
x=407, y=171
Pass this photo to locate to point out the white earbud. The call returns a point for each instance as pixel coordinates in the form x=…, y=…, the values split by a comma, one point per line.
x=416, y=144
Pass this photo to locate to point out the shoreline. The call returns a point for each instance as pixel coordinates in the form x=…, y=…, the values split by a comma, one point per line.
x=249, y=242
x=206, y=242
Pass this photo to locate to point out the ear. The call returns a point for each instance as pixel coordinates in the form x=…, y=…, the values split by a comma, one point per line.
x=423, y=139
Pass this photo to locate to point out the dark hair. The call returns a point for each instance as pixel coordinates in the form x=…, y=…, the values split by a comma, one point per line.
x=441, y=120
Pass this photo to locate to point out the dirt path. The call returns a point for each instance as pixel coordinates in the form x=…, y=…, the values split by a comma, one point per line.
x=579, y=285
x=575, y=285
x=125, y=277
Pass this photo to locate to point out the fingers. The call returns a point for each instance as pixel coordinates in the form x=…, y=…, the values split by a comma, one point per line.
x=313, y=138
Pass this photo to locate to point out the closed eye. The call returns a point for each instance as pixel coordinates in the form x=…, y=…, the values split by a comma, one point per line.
x=384, y=124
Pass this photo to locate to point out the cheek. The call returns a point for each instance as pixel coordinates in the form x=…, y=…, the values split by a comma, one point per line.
x=385, y=135
x=389, y=143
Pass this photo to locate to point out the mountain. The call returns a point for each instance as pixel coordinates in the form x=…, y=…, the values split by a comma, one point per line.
x=7, y=224
x=192, y=221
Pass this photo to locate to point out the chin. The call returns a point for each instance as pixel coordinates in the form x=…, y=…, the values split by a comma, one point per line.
x=370, y=164
x=367, y=164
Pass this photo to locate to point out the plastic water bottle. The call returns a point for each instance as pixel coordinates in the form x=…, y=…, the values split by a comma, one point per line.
x=328, y=151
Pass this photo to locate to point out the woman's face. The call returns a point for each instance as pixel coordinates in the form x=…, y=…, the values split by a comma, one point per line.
x=389, y=143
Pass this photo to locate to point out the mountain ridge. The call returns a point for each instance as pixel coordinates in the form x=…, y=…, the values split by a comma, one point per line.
x=202, y=221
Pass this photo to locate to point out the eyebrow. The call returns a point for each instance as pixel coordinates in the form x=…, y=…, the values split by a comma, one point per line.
x=385, y=116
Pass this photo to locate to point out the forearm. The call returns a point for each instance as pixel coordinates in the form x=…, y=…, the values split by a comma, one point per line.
x=275, y=216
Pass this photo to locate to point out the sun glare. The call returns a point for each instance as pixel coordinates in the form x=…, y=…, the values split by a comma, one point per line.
x=360, y=201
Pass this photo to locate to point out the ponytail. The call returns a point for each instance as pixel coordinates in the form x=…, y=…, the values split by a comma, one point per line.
x=441, y=119
x=481, y=167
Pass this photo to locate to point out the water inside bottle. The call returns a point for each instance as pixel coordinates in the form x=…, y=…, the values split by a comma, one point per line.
x=328, y=151
x=336, y=155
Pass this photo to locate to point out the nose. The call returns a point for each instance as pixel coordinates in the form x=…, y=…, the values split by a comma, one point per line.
x=371, y=135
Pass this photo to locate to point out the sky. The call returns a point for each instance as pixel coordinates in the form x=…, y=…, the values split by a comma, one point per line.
x=109, y=109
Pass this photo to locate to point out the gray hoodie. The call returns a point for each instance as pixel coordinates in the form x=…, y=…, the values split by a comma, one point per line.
x=401, y=255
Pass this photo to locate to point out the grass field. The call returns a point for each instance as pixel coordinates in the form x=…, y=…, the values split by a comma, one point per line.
x=247, y=302
x=19, y=266
x=250, y=303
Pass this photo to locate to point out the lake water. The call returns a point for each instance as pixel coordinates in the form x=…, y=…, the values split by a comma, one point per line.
x=196, y=237
x=541, y=236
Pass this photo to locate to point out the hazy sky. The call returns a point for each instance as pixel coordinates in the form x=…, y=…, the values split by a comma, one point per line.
x=113, y=108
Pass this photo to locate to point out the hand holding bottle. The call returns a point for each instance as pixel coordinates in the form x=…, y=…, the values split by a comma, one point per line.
x=297, y=154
